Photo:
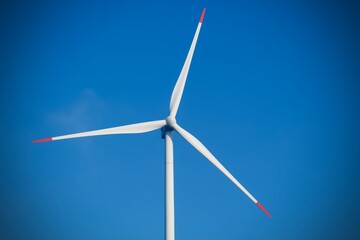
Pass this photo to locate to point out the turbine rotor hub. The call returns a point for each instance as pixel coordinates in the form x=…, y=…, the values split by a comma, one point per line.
x=170, y=121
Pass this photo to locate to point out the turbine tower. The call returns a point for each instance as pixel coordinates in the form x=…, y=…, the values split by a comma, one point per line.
x=167, y=127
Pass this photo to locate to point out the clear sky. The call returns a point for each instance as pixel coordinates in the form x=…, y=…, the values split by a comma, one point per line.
x=273, y=92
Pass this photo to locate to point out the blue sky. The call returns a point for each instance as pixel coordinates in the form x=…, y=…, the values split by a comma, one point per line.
x=273, y=92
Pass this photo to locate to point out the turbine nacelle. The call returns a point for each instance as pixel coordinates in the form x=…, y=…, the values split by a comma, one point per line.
x=170, y=123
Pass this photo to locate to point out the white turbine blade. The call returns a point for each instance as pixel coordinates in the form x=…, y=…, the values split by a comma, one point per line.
x=204, y=151
x=127, y=129
x=180, y=84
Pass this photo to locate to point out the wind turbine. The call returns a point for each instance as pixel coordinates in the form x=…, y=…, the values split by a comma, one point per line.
x=167, y=127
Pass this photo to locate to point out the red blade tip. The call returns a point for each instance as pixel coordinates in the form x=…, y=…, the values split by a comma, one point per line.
x=42, y=140
x=202, y=16
x=262, y=208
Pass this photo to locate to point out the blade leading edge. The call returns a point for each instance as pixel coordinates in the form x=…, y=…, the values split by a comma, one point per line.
x=204, y=151
x=127, y=129
x=180, y=84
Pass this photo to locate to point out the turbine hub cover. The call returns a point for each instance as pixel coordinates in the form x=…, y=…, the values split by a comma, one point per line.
x=170, y=121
